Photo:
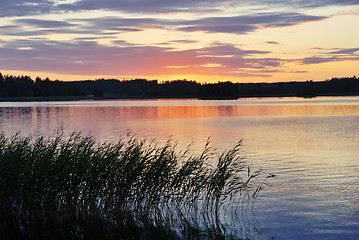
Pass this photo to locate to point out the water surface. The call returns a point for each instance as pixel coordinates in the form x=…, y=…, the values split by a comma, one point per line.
x=312, y=145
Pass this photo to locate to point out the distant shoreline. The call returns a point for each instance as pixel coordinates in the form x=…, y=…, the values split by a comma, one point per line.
x=25, y=89
x=81, y=98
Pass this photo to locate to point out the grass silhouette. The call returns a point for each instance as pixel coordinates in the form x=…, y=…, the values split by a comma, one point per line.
x=77, y=188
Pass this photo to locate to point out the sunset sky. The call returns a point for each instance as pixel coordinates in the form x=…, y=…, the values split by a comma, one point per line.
x=203, y=40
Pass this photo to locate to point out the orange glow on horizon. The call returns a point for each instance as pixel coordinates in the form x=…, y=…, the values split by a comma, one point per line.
x=280, y=77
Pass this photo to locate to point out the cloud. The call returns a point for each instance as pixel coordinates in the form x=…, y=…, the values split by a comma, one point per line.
x=114, y=25
x=224, y=50
x=118, y=24
x=246, y=23
x=220, y=27
x=323, y=3
x=81, y=35
x=96, y=26
x=272, y=42
x=175, y=42
x=165, y=6
x=316, y=60
x=295, y=4
x=8, y=27
x=148, y=6
x=24, y=8
x=344, y=54
x=87, y=57
x=90, y=58
x=349, y=51
x=36, y=7
x=82, y=57
x=43, y=23
x=298, y=71
x=183, y=41
x=95, y=38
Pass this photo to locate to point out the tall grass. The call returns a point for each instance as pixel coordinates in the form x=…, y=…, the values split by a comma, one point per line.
x=77, y=188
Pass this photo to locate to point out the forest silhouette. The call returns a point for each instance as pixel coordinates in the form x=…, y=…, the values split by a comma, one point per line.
x=23, y=87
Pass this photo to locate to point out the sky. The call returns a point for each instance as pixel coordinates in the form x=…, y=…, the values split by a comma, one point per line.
x=202, y=40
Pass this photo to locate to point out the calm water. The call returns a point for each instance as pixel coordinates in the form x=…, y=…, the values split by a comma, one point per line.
x=311, y=145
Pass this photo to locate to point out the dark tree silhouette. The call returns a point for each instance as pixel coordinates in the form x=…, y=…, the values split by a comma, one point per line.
x=24, y=86
x=98, y=93
x=220, y=90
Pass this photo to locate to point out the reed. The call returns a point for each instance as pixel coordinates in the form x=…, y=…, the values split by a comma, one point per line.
x=78, y=188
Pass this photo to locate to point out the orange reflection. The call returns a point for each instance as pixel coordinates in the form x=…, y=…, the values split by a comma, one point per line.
x=113, y=121
x=178, y=112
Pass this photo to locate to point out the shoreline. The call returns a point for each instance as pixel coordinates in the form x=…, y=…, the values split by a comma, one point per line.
x=81, y=98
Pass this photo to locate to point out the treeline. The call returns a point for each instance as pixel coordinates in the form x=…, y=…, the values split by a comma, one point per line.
x=347, y=86
x=140, y=88
x=24, y=86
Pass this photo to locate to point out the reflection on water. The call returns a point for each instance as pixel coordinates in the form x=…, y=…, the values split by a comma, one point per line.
x=312, y=145
x=106, y=120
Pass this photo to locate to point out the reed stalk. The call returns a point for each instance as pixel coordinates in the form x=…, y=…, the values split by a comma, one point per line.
x=77, y=188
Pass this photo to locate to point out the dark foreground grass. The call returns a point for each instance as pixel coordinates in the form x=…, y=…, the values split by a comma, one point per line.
x=76, y=188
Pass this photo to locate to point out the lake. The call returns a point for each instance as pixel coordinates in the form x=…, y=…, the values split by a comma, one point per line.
x=312, y=145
